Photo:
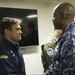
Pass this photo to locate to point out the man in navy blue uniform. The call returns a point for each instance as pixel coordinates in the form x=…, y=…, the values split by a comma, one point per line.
x=11, y=59
x=63, y=55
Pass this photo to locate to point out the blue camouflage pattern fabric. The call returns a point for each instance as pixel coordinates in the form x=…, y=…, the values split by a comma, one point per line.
x=64, y=54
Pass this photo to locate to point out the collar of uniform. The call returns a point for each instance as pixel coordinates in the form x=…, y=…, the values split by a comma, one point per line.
x=10, y=44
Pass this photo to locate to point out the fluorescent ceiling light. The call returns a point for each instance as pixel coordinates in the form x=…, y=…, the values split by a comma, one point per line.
x=31, y=16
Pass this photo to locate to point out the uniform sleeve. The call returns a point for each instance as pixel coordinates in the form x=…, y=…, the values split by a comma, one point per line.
x=7, y=66
x=50, y=42
x=3, y=70
x=46, y=59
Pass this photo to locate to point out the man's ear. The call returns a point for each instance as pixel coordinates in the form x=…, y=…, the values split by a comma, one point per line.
x=64, y=17
x=7, y=31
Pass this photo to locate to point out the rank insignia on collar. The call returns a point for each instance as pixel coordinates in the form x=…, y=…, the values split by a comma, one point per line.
x=13, y=54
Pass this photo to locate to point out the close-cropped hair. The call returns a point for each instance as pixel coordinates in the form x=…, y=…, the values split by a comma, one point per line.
x=67, y=8
x=7, y=23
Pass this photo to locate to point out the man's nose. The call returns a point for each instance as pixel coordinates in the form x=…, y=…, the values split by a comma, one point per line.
x=53, y=18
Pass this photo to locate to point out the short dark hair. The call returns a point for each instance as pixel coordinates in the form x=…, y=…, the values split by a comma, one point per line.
x=7, y=23
x=66, y=8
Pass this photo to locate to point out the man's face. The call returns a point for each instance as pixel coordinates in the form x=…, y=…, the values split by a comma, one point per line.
x=15, y=33
x=57, y=20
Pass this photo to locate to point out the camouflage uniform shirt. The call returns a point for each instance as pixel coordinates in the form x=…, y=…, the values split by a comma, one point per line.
x=64, y=53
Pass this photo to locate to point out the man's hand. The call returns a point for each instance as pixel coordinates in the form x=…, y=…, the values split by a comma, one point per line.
x=57, y=32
